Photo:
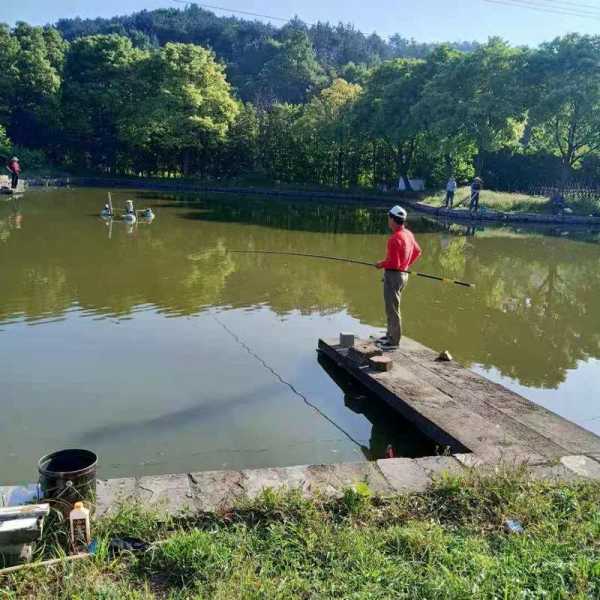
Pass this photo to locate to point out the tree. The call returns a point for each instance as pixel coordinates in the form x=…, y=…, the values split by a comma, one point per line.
x=476, y=99
x=5, y=144
x=564, y=81
x=187, y=108
x=326, y=132
x=96, y=94
x=293, y=74
x=277, y=143
x=388, y=109
x=38, y=64
x=241, y=151
x=9, y=50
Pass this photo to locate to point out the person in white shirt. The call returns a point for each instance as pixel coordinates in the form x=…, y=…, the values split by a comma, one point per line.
x=450, y=189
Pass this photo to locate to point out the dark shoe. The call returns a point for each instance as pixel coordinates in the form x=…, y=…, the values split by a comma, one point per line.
x=387, y=347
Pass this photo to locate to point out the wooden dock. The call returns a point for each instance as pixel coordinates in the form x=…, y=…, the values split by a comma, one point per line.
x=462, y=411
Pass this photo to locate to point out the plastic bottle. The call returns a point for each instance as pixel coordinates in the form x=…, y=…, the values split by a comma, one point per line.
x=79, y=519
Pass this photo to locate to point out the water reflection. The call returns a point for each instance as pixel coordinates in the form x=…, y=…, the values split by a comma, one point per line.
x=391, y=436
x=533, y=315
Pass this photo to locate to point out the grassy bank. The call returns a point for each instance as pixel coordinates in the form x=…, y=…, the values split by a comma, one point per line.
x=500, y=201
x=446, y=543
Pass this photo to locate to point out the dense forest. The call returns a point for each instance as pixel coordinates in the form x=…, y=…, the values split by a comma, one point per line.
x=184, y=92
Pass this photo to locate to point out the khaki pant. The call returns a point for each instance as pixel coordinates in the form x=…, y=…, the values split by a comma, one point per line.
x=393, y=284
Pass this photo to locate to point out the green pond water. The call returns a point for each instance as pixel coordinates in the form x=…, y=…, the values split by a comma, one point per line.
x=160, y=350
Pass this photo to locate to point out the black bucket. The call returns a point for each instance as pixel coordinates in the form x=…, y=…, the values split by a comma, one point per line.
x=68, y=476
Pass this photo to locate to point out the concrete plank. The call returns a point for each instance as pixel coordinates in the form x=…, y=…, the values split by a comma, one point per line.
x=255, y=481
x=404, y=475
x=557, y=473
x=507, y=410
x=112, y=493
x=437, y=466
x=555, y=429
x=171, y=493
x=333, y=480
x=213, y=491
x=464, y=412
x=582, y=465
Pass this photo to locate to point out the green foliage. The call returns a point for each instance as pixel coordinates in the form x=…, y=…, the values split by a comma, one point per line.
x=446, y=543
x=191, y=557
x=186, y=110
x=325, y=105
x=9, y=49
x=96, y=98
x=247, y=45
x=500, y=201
x=293, y=73
x=36, y=160
x=5, y=144
x=565, y=98
x=475, y=102
x=586, y=205
x=32, y=59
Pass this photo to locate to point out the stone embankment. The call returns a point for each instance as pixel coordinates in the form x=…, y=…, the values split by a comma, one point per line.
x=210, y=491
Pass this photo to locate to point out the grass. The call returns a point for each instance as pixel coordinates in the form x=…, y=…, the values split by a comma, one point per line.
x=499, y=201
x=446, y=543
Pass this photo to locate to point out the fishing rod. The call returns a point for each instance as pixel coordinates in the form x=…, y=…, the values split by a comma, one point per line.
x=352, y=261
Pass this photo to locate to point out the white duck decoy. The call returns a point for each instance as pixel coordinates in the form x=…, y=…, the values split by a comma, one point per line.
x=106, y=213
x=129, y=216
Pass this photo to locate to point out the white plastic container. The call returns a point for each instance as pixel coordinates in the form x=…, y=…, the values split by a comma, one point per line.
x=79, y=519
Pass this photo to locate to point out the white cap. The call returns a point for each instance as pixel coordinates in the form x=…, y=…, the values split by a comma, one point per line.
x=398, y=212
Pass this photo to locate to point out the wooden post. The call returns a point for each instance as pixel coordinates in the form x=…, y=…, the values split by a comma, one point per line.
x=381, y=363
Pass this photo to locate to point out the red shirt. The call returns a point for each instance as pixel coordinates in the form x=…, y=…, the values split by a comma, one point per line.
x=14, y=166
x=402, y=251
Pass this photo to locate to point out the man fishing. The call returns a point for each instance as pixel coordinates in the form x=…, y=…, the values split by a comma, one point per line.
x=402, y=251
x=475, y=191
x=15, y=169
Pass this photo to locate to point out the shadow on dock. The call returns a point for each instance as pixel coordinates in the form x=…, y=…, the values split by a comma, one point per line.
x=389, y=431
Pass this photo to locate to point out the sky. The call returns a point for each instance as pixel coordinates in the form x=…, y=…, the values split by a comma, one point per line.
x=425, y=20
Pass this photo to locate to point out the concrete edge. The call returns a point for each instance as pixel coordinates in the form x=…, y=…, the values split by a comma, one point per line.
x=217, y=491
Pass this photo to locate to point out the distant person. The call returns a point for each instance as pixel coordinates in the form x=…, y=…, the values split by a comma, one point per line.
x=450, y=190
x=402, y=251
x=14, y=169
x=558, y=203
x=475, y=191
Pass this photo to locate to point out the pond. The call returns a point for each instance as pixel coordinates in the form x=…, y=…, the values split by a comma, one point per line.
x=156, y=347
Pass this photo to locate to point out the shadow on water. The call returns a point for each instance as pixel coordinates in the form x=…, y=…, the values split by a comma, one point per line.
x=289, y=214
x=305, y=214
x=173, y=420
x=390, y=434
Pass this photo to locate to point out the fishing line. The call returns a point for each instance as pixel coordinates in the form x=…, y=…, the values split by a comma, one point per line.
x=283, y=381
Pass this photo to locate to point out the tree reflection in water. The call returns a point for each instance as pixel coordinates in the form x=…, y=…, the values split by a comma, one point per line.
x=533, y=315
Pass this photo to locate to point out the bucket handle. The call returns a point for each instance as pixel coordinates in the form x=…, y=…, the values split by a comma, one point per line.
x=69, y=485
